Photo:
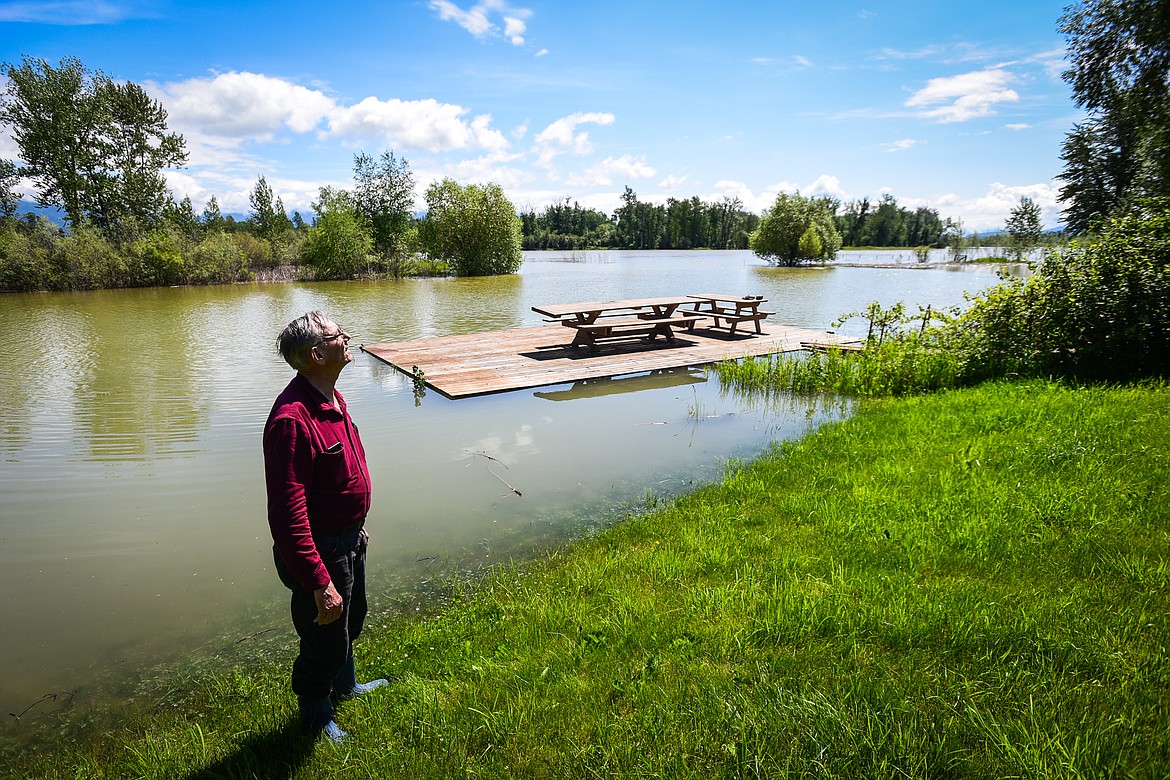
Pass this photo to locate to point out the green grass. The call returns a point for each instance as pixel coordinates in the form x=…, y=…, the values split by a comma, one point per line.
x=972, y=584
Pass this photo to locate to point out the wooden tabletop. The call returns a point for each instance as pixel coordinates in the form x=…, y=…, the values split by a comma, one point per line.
x=596, y=307
x=751, y=300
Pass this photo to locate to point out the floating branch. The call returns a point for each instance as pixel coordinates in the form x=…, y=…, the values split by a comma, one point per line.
x=494, y=474
x=42, y=700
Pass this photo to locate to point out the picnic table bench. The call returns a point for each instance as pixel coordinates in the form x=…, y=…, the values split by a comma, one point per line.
x=732, y=309
x=599, y=321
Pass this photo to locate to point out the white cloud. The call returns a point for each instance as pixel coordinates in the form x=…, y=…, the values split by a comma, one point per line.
x=990, y=211
x=825, y=185
x=477, y=22
x=673, y=182
x=964, y=97
x=415, y=124
x=801, y=61
x=605, y=172
x=1018, y=126
x=901, y=146
x=495, y=168
x=561, y=136
x=541, y=53
x=242, y=106
x=514, y=30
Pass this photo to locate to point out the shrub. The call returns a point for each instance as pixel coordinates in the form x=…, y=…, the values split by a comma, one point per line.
x=257, y=252
x=217, y=259
x=160, y=259
x=1098, y=312
x=26, y=262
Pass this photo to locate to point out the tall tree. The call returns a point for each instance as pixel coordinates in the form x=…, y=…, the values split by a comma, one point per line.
x=778, y=239
x=9, y=197
x=1120, y=73
x=267, y=212
x=384, y=196
x=473, y=227
x=1024, y=227
x=93, y=148
x=137, y=149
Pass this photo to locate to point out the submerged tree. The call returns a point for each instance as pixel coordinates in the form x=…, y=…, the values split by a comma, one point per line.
x=789, y=233
x=1023, y=227
x=474, y=228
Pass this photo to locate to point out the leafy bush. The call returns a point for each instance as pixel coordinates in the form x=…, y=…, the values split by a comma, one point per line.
x=257, y=252
x=160, y=256
x=217, y=259
x=473, y=227
x=1099, y=312
x=25, y=263
x=87, y=261
x=339, y=245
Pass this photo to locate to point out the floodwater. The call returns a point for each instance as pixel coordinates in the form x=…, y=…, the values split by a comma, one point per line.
x=132, y=528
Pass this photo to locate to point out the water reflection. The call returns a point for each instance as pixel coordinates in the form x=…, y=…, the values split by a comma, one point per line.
x=134, y=527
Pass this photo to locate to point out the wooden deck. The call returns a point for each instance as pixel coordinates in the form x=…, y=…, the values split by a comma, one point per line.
x=502, y=360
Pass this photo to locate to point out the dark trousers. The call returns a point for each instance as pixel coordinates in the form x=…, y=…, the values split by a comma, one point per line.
x=326, y=649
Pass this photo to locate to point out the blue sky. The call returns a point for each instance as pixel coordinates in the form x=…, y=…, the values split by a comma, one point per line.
x=956, y=106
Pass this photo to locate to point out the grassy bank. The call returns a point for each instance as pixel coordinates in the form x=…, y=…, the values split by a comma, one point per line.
x=967, y=585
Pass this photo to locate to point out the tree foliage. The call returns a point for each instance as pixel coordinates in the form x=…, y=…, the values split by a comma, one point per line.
x=860, y=224
x=1120, y=73
x=1098, y=312
x=338, y=244
x=94, y=148
x=475, y=228
x=384, y=197
x=1024, y=227
x=778, y=239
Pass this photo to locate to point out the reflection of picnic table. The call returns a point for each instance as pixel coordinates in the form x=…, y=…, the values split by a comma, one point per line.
x=608, y=385
x=599, y=321
x=732, y=309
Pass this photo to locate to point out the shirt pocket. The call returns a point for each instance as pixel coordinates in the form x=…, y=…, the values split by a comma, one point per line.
x=331, y=467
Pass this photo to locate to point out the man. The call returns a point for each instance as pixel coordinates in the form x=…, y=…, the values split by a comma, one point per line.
x=318, y=498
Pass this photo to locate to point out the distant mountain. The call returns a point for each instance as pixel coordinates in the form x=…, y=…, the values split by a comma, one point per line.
x=55, y=215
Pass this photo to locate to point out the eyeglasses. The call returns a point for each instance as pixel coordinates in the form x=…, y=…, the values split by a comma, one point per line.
x=340, y=334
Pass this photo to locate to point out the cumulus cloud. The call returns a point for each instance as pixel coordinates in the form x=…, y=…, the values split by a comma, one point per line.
x=233, y=109
x=964, y=97
x=561, y=136
x=825, y=185
x=673, y=182
x=476, y=20
x=605, y=172
x=239, y=107
x=991, y=210
x=415, y=124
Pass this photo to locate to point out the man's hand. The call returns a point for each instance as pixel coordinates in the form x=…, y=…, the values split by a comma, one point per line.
x=329, y=604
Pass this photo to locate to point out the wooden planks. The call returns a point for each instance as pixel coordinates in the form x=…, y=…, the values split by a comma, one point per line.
x=497, y=361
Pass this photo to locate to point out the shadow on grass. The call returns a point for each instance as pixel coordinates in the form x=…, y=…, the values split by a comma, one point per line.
x=274, y=755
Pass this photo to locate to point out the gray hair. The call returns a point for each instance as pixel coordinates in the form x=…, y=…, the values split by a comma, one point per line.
x=300, y=336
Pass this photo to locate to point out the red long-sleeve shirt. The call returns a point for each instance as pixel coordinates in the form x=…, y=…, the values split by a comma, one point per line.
x=316, y=473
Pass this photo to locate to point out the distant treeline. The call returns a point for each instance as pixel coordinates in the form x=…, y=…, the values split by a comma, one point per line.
x=679, y=224
x=695, y=224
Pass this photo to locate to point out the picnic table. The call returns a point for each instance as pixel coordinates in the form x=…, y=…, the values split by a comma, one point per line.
x=599, y=321
x=732, y=309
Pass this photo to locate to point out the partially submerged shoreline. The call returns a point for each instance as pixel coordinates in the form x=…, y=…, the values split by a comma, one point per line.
x=971, y=583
